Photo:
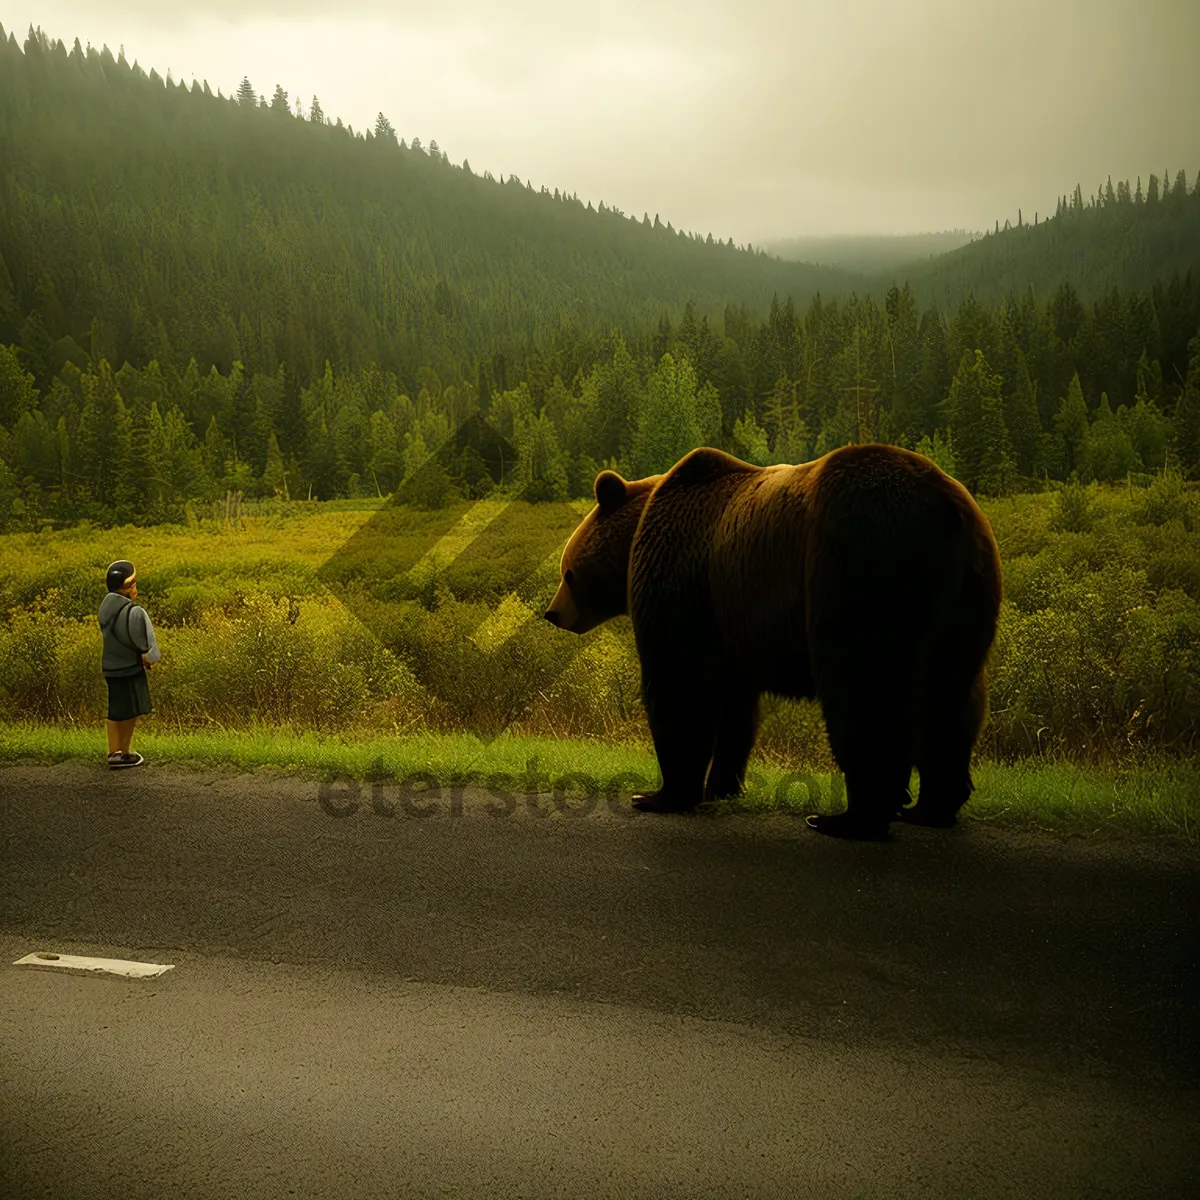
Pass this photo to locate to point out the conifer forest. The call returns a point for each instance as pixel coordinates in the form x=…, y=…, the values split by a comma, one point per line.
x=205, y=294
x=221, y=309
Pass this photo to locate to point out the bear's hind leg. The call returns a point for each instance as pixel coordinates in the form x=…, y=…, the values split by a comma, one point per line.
x=683, y=726
x=869, y=719
x=956, y=704
x=952, y=724
x=873, y=796
x=737, y=728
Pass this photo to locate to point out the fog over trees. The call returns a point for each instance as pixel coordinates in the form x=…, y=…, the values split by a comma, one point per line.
x=202, y=293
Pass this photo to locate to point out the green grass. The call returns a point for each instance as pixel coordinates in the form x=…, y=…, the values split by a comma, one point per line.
x=1161, y=800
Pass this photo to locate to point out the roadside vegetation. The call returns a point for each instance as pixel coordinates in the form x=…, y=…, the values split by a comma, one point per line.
x=270, y=657
x=237, y=435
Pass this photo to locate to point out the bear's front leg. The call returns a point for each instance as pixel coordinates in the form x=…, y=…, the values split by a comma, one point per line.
x=683, y=725
x=737, y=729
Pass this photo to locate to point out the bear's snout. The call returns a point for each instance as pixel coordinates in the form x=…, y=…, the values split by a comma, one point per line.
x=562, y=612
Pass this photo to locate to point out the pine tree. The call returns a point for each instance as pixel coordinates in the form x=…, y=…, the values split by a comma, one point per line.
x=289, y=420
x=12, y=507
x=1149, y=431
x=934, y=374
x=976, y=424
x=426, y=482
x=279, y=102
x=779, y=409
x=128, y=466
x=275, y=473
x=1186, y=432
x=708, y=415
x=94, y=452
x=157, y=466
x=1107, y=452
x=940, y=450
x=1021, y=417
x=541, y=465
x=33, y=453
x=245, y=93
x=1149, y=377
x=416, y=453
x=1066, y=314
x=62, y=443
x=213, y=455
x=473, y=475
x=997, y=468
x=750, y=440
x=316, y=114
x=182, y=456
x=668, y=427
x=1071, y=421
x=581, y=477
x=385, y=461
x=509, y=410
x=384, y=129
x=17, y=392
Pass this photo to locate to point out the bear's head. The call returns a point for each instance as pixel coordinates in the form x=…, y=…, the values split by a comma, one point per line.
x=595, y=563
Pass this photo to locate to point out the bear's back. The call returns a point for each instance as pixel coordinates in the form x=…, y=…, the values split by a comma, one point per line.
x=750, y=549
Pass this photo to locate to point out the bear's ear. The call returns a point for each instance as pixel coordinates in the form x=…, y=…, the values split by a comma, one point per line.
x=611, y=491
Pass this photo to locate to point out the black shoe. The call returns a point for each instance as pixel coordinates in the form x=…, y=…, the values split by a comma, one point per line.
x=118, y=762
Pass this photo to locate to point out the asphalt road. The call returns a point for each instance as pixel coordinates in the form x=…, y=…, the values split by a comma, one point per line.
x=540, y=1004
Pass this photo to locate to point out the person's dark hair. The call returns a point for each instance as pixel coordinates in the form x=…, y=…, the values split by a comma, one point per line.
x=119, y=574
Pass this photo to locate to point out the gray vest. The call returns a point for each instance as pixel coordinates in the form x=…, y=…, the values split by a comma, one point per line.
x=121, y=654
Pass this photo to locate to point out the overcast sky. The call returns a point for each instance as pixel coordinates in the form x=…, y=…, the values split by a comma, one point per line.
x=754, y=120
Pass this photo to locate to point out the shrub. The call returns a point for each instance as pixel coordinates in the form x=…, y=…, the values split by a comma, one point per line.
x=1166, y=499
x=1097, y=655
x=1072, y=511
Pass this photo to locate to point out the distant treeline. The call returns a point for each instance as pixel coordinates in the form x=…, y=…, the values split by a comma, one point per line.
x=868, y=254
x=1121, y=237
x=141, y=218
x=999, y=396
x=203, y=294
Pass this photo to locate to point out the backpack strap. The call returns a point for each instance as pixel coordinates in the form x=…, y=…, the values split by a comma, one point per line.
x=127, y=640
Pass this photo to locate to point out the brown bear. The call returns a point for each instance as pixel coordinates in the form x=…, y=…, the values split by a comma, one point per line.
x=868, y=579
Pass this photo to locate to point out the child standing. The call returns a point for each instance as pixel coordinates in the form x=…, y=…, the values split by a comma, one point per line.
x=129, y=648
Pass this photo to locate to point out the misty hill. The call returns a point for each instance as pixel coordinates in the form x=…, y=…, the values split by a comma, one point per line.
x=869, y=253
x=1118, y=239
x=144, y=219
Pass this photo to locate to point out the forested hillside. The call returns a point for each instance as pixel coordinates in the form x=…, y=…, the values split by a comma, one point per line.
x=1121, y=237
x=144, y=219
x=203, y=296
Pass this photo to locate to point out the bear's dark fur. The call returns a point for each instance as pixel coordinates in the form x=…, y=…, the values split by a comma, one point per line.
x=868, y=579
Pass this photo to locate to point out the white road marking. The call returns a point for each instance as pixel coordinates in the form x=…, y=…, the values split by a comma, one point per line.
x=104, y=966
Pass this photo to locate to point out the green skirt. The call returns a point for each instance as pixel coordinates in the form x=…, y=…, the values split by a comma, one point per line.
x=128, y=697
